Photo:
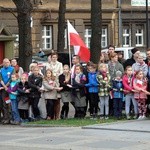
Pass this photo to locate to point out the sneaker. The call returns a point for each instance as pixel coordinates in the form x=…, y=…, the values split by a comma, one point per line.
x=5, y=121
x=106, y=117
x=14, y=122
x=140, y=117
x=101, y=118
x=144, y=117
x=135, y=116
x=128, y=117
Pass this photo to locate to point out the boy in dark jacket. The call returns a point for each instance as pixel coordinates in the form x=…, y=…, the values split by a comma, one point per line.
x=35, y=84
x=117, y=94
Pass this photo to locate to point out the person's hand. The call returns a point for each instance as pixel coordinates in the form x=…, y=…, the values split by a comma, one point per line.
x=1, y=88
x=58, y=88
x=27, y=91
x=6, y=88
x=69, y=85
x=105, y=79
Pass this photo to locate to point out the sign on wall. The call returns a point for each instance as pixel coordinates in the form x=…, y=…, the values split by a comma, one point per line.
x=139, y=2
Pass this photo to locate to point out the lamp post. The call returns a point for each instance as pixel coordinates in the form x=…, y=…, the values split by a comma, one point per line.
x=147, y=26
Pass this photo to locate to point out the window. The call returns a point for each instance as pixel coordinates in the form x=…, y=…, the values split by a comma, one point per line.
x=104, y=37
x=47, y=37
x=139, y=37
x=87, y=37
x=126, y=37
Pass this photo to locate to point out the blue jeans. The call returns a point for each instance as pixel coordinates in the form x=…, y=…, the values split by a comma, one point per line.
x=14, y=108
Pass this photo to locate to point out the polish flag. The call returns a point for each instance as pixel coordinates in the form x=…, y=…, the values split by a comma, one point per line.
x=75, y=40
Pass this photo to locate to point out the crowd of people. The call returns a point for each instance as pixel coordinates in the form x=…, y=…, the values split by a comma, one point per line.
x=103, y=89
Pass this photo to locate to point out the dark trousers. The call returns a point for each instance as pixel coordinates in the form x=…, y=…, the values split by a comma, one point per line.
x=24, y=113
x=80, y=112
x=111, y=107
x=50, y=108
x=34, y=105
x=117, y=107
x=65, y=110
x=94, y=103
x=4, y=108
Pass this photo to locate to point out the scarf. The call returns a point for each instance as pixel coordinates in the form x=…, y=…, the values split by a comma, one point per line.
x=78, y=77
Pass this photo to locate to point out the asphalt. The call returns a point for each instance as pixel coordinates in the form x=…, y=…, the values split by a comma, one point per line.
x=132, y=126
x=123, y=135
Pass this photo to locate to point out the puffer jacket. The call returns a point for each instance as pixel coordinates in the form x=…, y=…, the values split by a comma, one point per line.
x=93, y=83
x=35, y=83
x=117, y=88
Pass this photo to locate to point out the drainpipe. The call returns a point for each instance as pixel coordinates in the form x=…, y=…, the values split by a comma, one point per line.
x=120, y=23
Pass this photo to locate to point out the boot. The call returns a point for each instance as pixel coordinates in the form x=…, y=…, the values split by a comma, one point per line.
x=56, y=109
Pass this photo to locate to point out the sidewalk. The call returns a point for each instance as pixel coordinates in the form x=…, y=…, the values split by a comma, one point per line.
x=134, y=126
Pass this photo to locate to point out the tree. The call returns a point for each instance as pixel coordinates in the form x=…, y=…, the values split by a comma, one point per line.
x=96, y=26
x=61, y=26
x=24, y=9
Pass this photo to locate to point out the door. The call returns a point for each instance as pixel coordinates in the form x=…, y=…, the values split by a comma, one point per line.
x=2, y=47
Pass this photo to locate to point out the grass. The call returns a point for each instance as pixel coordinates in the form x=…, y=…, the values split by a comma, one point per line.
x=72, y=122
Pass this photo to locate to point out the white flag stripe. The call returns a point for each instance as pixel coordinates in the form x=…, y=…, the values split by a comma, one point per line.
x=71, y=29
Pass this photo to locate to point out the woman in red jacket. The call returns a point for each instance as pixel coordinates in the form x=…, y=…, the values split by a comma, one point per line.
x=129, y=92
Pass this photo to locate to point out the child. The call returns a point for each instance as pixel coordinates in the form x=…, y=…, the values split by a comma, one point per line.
x=35, y=84
x=140, y=85
x=23, y=98
x=93, y=90
x=65, y=79
x=117, y=87
x=103, y=78
x=12, y=90
x=140, y=65
x=50, y=93
x=79, y=92
x=129, y=92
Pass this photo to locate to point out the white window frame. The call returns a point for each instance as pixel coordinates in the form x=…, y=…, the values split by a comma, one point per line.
x=45, y=37
x=105, y=37
x=125, y=36
x=139, y=34
x=87, y=37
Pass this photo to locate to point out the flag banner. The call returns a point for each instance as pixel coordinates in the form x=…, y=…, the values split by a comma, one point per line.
x=75, y=40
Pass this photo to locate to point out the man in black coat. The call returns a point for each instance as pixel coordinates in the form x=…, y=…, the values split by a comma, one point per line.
x=132, y=60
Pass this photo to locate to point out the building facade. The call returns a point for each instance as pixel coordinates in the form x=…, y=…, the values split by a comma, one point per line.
x=122, y=24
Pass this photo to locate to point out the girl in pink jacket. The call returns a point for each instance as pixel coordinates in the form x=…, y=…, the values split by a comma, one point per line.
x=129, y=93
x=140, y=85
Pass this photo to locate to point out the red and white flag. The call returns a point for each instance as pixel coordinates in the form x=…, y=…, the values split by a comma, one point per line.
x=75, y=40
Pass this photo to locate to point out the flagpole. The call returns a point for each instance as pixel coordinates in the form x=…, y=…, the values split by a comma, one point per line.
x=69, y=45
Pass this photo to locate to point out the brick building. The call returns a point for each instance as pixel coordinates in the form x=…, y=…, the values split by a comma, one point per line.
x=123, y=24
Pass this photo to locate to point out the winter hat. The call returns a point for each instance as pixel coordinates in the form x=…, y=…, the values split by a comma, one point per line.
x=134, y=50
x=118, y=74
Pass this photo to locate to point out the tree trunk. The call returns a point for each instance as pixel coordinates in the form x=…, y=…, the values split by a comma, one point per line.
x=96, y=26
x=61, y=26
x=24, y=8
